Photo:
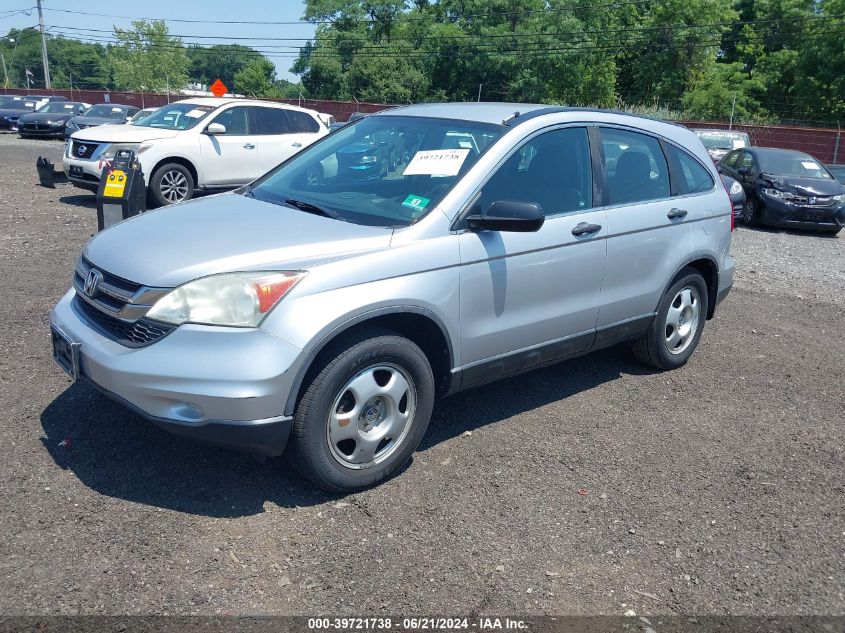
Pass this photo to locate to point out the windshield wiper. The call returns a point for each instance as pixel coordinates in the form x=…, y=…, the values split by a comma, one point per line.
x=311, y=208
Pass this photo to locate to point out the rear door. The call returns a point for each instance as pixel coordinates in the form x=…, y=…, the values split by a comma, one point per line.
x=648, y=231
x=528, y=298
x=274, y=137
x=229, y=159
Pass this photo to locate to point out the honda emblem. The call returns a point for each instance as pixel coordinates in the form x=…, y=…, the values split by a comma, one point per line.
x=91, y=282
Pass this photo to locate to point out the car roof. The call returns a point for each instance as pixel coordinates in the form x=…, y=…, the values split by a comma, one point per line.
x=221, y=101
x=718, y=131
x=776, y=150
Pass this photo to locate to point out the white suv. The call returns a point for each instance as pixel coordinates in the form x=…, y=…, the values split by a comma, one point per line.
x=196, y=144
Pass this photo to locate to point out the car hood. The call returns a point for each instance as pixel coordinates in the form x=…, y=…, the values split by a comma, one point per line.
x=44, y=117
x=121, y=133
x=224, y=233
x=13, y=112
x=805, y=186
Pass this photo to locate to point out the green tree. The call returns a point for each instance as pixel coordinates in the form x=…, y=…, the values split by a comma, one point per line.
x=257, y=78
x=147, y=58
x=221, y=61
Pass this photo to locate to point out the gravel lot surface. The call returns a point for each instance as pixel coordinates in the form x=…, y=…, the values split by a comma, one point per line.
x=714, y=489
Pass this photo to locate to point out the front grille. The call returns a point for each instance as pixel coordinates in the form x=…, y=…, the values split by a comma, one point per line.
x=88, y=149
x=36, y=127
x=138, y=334
x=118, y=306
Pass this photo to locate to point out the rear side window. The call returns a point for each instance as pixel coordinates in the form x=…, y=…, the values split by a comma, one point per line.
x=691, y=176
x=552, y=170
x=302, y=123
x=271, y=121
x=634, y=166
x=746, y=161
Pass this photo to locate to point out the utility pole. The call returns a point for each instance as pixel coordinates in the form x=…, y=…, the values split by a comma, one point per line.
x=5, y=72
x=479, y=93
x=733, y=107
x=43, y=47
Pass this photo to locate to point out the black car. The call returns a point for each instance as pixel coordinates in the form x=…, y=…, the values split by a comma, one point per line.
x=786, y=188
x=12, y=109
x=50, y=119
x=101, y=114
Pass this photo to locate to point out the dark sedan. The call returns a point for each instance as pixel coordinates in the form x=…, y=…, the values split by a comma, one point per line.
x=12, y=109
x=50, y=120
x=786, y=188
x=838, y=172
x=101, y=114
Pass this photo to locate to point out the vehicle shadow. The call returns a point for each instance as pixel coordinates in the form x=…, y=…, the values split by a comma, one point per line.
x=87, y=200
x=117, y=454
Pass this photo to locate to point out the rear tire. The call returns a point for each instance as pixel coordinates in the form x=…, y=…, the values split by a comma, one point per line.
x=364, y=412
x=676, y=329
x=169, y=184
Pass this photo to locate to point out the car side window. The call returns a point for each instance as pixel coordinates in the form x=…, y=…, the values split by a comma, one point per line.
x=552, y=170
x=730, y=159
x=271, y=121
x=236, y=121
x=691, y=175
x=302, y=123
x=634, y=166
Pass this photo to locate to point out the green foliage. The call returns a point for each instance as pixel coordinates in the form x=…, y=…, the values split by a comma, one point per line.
x=221, y=61
x=147, y=58
x=763, y=59
x=257, y=78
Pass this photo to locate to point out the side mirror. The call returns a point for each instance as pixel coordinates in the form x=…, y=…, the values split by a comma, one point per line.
x=214, y=129
x=735, y=192
x=509, y=215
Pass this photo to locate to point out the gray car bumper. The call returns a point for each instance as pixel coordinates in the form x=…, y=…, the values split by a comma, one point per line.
x=227, y=386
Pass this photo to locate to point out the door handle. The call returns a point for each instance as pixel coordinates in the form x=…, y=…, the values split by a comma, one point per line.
x=249, y=146
x=297, y=144
x=582, y=228
x=674, y=214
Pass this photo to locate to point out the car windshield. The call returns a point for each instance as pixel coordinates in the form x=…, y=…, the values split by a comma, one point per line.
x=792, y=164
x=59, y=107
x=380, y=171
x=106, y=111
x=724, y=140
x=176, y=116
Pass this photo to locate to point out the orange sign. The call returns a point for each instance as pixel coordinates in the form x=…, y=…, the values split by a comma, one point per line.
x=218, y=88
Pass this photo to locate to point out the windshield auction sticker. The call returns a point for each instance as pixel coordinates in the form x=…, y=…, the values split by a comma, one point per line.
x=436, y=162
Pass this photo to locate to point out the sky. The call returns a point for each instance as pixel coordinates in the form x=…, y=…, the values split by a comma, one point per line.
x=243, y=10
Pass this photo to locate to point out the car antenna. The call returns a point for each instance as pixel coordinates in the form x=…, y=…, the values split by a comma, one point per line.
x=510, y=118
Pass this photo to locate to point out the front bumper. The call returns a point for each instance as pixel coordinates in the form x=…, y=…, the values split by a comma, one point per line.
x=87, y=173
x=775, y=212
x=226, y=386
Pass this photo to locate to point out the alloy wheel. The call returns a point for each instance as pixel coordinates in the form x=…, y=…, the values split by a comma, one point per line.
x=174, y=186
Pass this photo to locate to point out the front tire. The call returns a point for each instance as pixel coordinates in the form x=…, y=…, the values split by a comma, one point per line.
x=676, y=329
x=751, y=212
x=364, y=412
x=171, y=183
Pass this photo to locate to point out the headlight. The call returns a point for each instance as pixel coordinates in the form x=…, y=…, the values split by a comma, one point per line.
x=736, y=188
x=777, y=193
x=837, y=198
x=234, y=299
x=111, y=150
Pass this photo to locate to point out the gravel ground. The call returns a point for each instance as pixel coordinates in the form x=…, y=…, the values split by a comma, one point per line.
x=714, y=489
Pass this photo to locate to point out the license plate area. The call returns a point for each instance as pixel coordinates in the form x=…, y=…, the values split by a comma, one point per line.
x=65, y=352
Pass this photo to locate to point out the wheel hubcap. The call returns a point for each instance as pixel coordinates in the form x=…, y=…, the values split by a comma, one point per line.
x=682, y=319
x=174, y=186
x=371, y=416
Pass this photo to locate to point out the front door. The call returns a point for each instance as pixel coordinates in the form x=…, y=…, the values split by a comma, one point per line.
x=530, y=298
x=229, y=159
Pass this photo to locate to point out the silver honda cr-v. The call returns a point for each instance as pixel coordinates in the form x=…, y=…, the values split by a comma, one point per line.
x=407, y=256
